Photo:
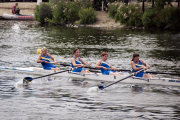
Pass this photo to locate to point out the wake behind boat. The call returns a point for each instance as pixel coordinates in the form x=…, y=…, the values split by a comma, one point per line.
x=97, y=76
x=18, y=17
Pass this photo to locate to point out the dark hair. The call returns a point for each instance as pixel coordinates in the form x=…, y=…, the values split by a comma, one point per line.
x=16, y=3
x=104, y=53
x=75, y=50
x=135, y=55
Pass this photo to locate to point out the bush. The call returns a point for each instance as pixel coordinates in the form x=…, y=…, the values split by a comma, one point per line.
x=87, y=16
x=112, y=10
x=124, y=15
x=42, y=12
x=159, y=19
x=136, y=17
x=172, y=17
x=129, y=15
x=66, y=11
x=71, y=12
x=147, y=18
x=58, y=13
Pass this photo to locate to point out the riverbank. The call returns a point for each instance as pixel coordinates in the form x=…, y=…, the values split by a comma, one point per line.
x=28, y=8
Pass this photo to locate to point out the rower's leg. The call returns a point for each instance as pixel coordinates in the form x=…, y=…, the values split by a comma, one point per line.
x=85, y=71
x=116, y=73
x=148, y=76
x=56, y=69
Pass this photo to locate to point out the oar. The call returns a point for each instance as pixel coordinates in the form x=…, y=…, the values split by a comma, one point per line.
x=102, y=87
x=69, y=65
x=29, y=79
x=162, y=73
x=125, y=70
x=146, y=71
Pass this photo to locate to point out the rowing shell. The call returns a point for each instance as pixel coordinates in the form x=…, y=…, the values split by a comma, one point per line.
x=97, y=76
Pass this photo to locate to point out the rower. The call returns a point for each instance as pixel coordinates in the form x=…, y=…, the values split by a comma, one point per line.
x=76, y=61
x=103, y=65
x=44, y=59
x=137, y=64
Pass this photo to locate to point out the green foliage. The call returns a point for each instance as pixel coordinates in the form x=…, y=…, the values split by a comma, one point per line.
x=67, y=11
x=159, y=18
x=87, y=16
x=168, y=17
x=58, y=13
x=129, y=15
x=71, y=12
x=135, y=19
x=159, y=4
x=43, y=12
x=147, y=18
x=172, y=17
x=123, y=15
x=112, y=10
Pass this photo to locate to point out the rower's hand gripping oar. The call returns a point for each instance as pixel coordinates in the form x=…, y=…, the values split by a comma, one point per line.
x=29, y=79
x=102, y=87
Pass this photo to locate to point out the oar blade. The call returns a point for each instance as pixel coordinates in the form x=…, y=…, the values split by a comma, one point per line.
x=27, y=80
x=101, y=87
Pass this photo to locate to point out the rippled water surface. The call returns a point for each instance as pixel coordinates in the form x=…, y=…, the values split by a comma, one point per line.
x=67, y=98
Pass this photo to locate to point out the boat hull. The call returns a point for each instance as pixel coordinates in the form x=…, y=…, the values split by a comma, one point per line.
x=97, y=76
x=18, y=17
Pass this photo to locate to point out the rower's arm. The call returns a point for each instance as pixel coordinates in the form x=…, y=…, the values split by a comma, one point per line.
x=97, y=66
x=84, y=62
x=52, y=58
x=134, y=66
x=39, y=60
x=74, y=63
x=145, y=64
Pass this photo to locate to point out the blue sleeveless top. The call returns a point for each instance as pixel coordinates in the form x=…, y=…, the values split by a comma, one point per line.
x=47, y=66
x=106, y=65
x=138, y=65
x=77, y=62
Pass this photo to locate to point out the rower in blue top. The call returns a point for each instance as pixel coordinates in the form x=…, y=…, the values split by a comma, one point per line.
x=76, y=61
x=103, y=65
x=138, y=64
x=44, y=59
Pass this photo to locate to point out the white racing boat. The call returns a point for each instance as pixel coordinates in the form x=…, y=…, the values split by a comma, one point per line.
x=96, y=76
x=18, y=17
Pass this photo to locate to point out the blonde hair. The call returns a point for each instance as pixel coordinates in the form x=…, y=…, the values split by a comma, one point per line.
x=43, y=49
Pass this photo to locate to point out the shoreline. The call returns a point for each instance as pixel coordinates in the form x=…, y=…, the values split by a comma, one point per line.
x=27, y=8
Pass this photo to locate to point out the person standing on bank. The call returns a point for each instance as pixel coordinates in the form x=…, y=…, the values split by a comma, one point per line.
x=138, y=64
x=44, y=59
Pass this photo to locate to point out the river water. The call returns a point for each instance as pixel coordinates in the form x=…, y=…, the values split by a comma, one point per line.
x=67, y=98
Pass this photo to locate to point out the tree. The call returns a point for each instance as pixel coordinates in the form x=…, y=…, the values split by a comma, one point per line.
x=159, y=4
